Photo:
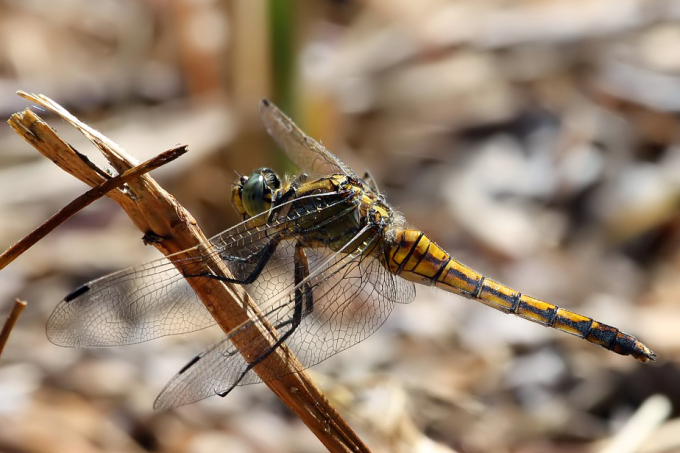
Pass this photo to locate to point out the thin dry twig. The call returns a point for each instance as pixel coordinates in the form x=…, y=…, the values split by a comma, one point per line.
x=157, y=213
x=86, y=199
x=11, y=321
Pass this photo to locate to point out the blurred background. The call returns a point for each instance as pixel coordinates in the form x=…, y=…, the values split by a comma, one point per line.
x=537, y=140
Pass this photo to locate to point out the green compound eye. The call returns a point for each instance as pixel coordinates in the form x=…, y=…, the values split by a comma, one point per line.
x=257, y=191
x=253, y=195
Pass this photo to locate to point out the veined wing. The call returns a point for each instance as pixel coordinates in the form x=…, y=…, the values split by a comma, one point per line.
x=352, y=294
x=154, y=299
x=303, y=150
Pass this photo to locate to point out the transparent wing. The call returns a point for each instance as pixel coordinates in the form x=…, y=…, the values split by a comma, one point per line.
x=153, y=300
x=353, y=294
x=303, y=150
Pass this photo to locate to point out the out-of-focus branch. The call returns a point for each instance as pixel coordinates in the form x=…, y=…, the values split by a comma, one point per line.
x=83, y=200
x=18, y=307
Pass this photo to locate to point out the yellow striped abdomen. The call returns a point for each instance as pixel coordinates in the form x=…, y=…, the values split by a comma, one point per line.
x=415, y=257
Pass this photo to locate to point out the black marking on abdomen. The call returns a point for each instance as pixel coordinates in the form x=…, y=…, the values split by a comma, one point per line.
x=578, y=326
x=533, y=309
x=606, y=335
x=494, y=291
x=623, y=343
x=462, y=275
x=586, y=334
x=441, y=270
x=516, y=300
x=78, y=292
x=422, y=255
x=478, y=288
x=410, y=253
x=553, y=316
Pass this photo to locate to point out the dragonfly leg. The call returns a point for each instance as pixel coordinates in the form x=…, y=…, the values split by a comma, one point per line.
x=262, y=257
x=303, y=301
x=303, y=294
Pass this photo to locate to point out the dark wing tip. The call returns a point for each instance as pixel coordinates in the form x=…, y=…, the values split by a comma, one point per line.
x=78, y=292
x=191, y=363
x=265, y=102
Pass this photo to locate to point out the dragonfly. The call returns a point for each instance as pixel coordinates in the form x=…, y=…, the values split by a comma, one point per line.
x=324, y=257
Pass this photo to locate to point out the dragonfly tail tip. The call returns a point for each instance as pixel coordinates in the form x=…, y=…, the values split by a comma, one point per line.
x=644, y=354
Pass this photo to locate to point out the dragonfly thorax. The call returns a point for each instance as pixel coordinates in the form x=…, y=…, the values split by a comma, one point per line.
x=253, y=194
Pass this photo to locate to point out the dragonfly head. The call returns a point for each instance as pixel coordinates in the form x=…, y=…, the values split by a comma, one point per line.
x=253, y=194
